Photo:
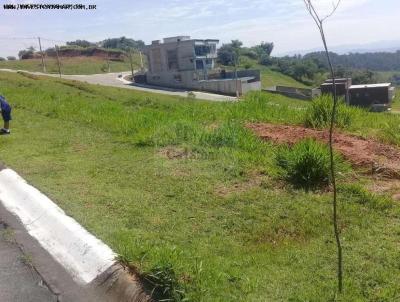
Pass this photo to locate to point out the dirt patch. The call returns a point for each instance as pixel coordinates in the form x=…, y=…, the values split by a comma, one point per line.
x=376, y=157
x=280, y=234
x=176, y=153
x=387, y=187
x=254, y=180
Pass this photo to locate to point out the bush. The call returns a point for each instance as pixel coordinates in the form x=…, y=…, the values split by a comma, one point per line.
x=163, y=284
x=11, y=58
x=2, y=59
x=306, y=164
x=319, y=114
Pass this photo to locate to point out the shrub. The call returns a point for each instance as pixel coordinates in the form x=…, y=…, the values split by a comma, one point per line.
x=11, y=58
x=2, y=59
x=306, y=164
x=164, y=284
x=230, y=135
x=319, y=114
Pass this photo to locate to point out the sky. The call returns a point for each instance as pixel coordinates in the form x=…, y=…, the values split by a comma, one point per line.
x=284, y=22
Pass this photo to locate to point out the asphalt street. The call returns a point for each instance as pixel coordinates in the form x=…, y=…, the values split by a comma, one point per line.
x=19, y=281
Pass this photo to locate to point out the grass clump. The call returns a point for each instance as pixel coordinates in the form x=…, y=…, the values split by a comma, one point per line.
x=306, y=164
x=319, y=114
x=163, y=284
x=391, y=132
x=360, y=195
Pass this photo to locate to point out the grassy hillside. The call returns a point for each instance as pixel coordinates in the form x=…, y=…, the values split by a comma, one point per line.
x=396, y=102
x=72, y=65
x=170, y=182
x=273, y=78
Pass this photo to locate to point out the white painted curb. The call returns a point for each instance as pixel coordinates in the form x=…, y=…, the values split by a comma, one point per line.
x=84, y=256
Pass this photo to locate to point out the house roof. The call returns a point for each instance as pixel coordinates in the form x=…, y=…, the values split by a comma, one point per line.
x=381, y=85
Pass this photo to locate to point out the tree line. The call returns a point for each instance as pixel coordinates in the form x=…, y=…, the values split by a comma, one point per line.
x=115, y=46
x=312, y=68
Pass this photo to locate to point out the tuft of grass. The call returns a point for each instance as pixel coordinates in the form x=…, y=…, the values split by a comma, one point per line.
x=358, y=194
x=163, y=284
x=391, y=132
x=306, y=164
x=319, y=114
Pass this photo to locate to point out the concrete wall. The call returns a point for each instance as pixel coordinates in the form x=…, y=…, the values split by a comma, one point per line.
x=222, y=86
x=245, y=73
x=158, y=56
x=295, y=92
x=368, y=96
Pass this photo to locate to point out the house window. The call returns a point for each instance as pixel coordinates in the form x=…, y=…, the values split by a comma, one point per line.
x=202, y=50
x=199, y=64
x=178, y=78
x=172, y=56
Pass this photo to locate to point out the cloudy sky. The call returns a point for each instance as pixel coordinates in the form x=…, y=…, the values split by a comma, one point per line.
x=285, y=22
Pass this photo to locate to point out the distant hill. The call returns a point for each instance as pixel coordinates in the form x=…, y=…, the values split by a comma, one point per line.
x=376, y=61
x=380, y=46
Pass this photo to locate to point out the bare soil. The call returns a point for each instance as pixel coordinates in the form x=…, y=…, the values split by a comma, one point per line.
x=378, y=158
x=172, y=152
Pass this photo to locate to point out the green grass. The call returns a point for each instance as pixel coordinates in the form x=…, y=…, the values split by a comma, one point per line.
x=271, y=78
x=396, y=102
x=72, y=65
x=176, y=183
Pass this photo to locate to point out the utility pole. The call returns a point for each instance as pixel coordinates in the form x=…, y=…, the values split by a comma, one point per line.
x=236, y=75
x=131, y=61
x=58, y=60
x=41, y=52
x=108, y=62
x=141, y=61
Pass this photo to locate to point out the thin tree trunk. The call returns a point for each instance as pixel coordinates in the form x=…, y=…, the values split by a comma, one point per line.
x=319, y=22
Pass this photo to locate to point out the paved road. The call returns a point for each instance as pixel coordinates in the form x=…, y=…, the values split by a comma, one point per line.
x=113, y=80
x=29, y=274
x=19, y=282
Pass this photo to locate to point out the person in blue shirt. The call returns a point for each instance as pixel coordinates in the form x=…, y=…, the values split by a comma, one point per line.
x=6, y=114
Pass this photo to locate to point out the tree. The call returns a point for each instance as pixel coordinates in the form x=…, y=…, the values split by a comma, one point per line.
x=265, y=60
x=319, y=21
x=2, y=59
x=229, y=53
x=81, y=43
x=26, y=53
x=267, y=47
x=11, y=58
x=122, y=43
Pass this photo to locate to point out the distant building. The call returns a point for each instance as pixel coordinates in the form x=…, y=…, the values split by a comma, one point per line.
x=182, y=62
x=375, y=96
x=342, y=87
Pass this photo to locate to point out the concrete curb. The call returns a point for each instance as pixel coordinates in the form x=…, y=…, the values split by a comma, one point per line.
x=90, y=262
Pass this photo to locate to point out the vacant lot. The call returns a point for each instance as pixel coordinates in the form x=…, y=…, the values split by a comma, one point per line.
x=173, y=182
x=73, y=65
x=271, y=78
